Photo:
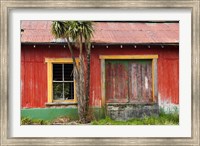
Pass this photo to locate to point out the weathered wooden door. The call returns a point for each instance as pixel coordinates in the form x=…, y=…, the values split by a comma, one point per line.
x=128, y=81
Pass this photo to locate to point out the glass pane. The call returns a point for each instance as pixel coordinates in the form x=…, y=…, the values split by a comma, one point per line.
x=58, y=91
x=57, y=72
x=68, y=72
x=69, y=90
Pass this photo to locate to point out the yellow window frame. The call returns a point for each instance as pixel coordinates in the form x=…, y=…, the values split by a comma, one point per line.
x=154, y=58
x=50, y=62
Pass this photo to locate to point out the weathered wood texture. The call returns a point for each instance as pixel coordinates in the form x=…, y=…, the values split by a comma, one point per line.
x=34, y=73
x=129, y=81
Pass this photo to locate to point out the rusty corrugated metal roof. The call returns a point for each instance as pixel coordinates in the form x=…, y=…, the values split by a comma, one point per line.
x=108, y=32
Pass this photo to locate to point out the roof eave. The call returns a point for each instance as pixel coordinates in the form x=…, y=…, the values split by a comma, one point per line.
x=96, y=43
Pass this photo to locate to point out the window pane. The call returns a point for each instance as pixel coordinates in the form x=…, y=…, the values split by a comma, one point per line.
x=69, y=90
x=58, y=91
x=63, y=82
x=57, y=72
x=68, y=72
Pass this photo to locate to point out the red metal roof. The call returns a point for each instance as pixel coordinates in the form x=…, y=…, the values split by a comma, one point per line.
x=108, y=32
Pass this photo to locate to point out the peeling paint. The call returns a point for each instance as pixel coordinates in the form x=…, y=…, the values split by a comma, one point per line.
x=167, y=105
x=146, y=82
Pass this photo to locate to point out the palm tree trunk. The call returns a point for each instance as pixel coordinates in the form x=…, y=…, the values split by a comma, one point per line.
x=82, y=84
x=72, y=53
x=77, y=79
x=88, y=53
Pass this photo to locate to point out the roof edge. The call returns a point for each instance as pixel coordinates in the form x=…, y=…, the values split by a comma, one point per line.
x=64, y=43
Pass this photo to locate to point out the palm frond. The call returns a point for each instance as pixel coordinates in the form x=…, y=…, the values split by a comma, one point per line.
x=81, y=28
x=59, y=29
x=73, y=30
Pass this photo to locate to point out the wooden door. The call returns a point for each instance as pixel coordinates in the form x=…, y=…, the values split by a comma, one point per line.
x=128, y=81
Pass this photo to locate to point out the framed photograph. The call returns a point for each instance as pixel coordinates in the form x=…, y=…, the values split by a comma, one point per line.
x=99, y=72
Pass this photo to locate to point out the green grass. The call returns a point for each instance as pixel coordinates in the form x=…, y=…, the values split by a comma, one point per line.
x=58, y=121
x=162, y=119
x=28, y=121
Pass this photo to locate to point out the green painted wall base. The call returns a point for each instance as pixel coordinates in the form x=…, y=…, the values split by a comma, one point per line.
x=53, y=113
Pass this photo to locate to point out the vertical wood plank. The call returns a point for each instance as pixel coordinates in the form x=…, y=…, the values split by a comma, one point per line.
x=122, y=81
x=103, y=81
x=139, y=81
x=153, y=80
x=130, y=85
x=134, y=82
x=149, y=76
x=23, y=99
x=108, y=78
x=143, y=82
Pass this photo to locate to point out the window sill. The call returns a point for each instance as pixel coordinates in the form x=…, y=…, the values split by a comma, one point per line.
x=61, y=104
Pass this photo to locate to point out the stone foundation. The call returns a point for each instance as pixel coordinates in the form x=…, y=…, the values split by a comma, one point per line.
x=123, y=112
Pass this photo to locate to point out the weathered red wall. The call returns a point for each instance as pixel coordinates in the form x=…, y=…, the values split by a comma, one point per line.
x=34, y=71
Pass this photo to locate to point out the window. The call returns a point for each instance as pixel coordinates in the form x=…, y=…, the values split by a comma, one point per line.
x=129, y=78
x=61, y=83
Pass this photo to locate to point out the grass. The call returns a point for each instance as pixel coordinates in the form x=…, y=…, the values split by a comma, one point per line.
x=28, y=121
x=162, y=119
x=58, y=121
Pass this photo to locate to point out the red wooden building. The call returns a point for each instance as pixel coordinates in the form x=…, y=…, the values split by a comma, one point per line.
x=131, y=62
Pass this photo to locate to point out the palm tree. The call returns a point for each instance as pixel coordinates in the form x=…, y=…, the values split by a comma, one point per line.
x=59, y=29
x=80, y=32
